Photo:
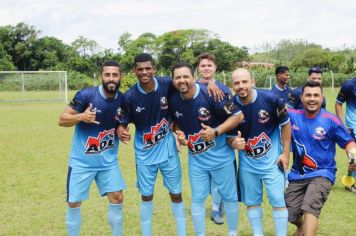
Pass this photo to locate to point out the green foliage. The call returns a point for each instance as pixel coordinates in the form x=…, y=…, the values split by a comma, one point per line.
x=127, y=81
x=77, y=81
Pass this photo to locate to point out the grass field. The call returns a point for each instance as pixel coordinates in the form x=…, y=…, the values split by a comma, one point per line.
x=33, y=167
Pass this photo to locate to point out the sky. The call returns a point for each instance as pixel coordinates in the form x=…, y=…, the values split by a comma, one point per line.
x=250, y=23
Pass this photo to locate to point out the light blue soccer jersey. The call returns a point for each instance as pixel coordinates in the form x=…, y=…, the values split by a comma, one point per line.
x=95, y=147
x=154, y=142
x=260, y=129
x=190, y=114
x=348, y=94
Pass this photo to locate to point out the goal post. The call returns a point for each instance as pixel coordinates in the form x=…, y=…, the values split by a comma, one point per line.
x=33, y=86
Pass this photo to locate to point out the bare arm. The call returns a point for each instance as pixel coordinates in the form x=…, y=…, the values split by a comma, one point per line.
x=339, y=112
x=286, y=139
x=71, y=117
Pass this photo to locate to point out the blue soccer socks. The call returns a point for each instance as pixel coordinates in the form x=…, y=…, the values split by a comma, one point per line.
x=146, y=218
x=198, y=217
x=232, y=213
x=178, y=210
x=255, y=218
x=116, y=218
x=73, y=221
x=281, y=222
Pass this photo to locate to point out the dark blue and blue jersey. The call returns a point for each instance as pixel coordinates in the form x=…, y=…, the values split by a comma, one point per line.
x=313, y=144
x=154, y=142
x=190, y=114
x=94, y=146
x=348, y=94
x=260, y=129
x=281, y=93
x=295, y=102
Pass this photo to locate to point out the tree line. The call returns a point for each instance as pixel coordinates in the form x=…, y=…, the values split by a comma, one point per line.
x=22, y=48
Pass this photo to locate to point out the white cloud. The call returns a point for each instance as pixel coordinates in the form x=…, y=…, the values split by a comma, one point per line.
x=249, y=23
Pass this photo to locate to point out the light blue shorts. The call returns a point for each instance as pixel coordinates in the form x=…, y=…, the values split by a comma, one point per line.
x=79, y=181
x=251, y=187
x=171, y=172
x=224, y=179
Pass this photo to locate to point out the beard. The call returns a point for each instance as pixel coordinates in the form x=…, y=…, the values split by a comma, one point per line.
x=111, y=90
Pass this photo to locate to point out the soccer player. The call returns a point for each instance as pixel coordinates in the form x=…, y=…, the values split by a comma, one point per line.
x=266, y=130
x=145, y=104
x=94, y=149
x=203, y=124
x=314, y=135
x=281, y=88
x=348, y=94
x=316, y=74
x=207, y=68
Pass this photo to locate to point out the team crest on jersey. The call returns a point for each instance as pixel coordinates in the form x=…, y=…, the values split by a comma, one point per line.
x=319, y=133
x=119, y=114
x=197, y=145
x=164, y=103
x=158, y=132
x=204, y=114
x=258, y=146
x=102, y=142
x=263, y=116
x=305, y=162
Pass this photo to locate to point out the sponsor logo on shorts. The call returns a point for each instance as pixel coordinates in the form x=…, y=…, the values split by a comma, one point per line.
x=104, y=141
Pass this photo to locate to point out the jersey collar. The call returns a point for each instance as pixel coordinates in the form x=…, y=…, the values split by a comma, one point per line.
x=101, y=91
x=143, y=91
x=254, y=97
x=277, y=87
x=197, y=90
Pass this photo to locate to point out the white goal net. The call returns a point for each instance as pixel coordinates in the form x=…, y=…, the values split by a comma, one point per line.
x=33, y=86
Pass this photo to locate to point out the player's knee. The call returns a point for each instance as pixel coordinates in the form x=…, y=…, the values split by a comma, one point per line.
x=74, y=204
x=116, y=197
x=147, y=198
x=176, y=198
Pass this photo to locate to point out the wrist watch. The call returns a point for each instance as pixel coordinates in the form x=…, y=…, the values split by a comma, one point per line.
x=216, y=132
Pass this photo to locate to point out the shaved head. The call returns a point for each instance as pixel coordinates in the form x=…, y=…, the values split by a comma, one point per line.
x=242, y=83
x=241, y=72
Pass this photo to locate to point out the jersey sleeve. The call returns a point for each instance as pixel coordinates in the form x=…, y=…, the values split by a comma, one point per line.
x=342, y=95
x=226, y=107
x=292, y=99
x=341, y=135
x=281, y=111
x=78, y=102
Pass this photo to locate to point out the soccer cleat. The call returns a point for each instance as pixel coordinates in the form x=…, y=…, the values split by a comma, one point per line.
x=215, y=216
x=351, y=188
x=221, y=209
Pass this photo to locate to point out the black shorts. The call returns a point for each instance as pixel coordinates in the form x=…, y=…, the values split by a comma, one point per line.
x=308, y=195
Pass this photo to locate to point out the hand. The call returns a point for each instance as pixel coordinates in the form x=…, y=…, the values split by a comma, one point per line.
x=238, y=142
x=214, y=90
x=284, y=159
x=123, y=133
x=89, y=116
x=208, y=133
x=180, y=137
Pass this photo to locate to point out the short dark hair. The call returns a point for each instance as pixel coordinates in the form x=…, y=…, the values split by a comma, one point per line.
x=143, y=57
x=281, y=69
x=312, y=84
x=109, y=63
x=208, y=56
x=315, y=69
x=183, y=64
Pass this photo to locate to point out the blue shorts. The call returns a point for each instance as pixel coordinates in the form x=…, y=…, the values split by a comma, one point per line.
x=79, y=181
x=171, y=173
x=251, y=187
x=224, y=179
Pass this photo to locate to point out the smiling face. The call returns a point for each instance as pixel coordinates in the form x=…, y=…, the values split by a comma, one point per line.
x=242, y=84
x=207, y=69
x=312, y=98
x=110, y=78
x=283, y=78
x=183, y=80
x=144, y=72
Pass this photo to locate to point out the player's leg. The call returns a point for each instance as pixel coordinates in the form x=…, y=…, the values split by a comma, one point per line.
x=352, y=188
x=146, y=178
x=274, y=181
x=111, y=183
x=225, y=180
x=78, y=184
x=294, y=198
x=251, y=195
x=216, y=203
x=315, y=198
x=200, y=187
x=172, y=180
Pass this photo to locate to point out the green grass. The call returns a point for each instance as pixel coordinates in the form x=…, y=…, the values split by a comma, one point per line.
x=33, y=167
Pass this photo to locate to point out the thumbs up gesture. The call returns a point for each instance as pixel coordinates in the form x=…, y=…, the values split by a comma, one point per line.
x=89, y=116
x=207, y=133
x=238, y=142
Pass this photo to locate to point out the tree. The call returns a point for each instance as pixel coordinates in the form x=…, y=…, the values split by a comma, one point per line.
x=85, y=47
